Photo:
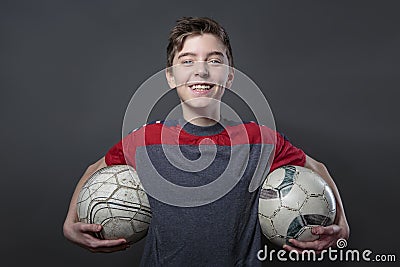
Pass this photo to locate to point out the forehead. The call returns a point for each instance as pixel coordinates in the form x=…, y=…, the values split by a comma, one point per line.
x=202, y=44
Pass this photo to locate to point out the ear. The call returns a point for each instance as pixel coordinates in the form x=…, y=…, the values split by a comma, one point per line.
x=170, y=78
x=231, y=75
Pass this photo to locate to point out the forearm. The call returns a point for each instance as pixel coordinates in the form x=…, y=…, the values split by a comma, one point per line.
x=321, y=169
x=72, y=211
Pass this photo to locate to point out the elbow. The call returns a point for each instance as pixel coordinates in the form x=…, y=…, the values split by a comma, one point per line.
x=321, y=167
x=97, y=165
x=315, y=165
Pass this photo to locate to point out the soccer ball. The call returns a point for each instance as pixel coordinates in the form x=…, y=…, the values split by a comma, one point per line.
x=292, y=200
x=114, y=197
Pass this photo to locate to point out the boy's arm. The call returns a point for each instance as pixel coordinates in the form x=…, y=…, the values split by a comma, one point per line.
x=82, y=233
x=329, y=234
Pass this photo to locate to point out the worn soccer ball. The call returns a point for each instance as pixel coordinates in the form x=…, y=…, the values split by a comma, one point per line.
x=292, y=201
x=114, y=197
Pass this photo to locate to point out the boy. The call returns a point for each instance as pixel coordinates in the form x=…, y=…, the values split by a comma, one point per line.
x=216, y=232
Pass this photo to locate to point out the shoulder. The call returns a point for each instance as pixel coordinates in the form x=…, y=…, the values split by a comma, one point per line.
x=149, y=125
x=254, y=132
x=152, y=133
x=154, y=126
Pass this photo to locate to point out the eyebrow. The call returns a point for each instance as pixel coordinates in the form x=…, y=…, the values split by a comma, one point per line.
x=213, y=53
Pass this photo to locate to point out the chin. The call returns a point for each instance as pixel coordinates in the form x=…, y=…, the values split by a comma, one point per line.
x=201, y=102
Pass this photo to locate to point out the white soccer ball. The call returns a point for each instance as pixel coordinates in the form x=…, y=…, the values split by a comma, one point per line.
x=294, y=199
x=114, y=197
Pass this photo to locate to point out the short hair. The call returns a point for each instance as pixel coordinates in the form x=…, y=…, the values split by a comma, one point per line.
x=188, y=26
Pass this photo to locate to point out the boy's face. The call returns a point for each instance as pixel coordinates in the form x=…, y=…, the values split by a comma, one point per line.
x=200, y=71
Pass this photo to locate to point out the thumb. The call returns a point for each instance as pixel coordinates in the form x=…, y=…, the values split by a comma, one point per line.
x=92, y=227
x=317, y=230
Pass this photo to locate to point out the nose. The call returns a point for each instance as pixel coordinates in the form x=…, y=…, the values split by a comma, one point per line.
x=201, y=69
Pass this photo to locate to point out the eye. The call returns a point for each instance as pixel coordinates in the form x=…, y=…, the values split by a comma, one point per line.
x=215, y=61
x=187, y=62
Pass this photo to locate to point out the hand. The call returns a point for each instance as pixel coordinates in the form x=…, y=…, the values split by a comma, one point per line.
x=328, y=237
x=82, y=234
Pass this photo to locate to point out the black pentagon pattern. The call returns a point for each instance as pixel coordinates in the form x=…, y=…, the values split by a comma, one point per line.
x=283, y=188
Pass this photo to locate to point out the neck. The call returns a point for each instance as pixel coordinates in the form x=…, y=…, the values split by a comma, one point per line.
x=201, y=116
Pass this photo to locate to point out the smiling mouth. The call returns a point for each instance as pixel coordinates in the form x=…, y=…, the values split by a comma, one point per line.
x=201, y=86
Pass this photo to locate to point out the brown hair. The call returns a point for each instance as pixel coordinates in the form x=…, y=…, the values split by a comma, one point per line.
x=188, y=26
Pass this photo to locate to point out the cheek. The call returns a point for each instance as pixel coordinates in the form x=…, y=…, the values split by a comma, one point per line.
x=182, y=92
x=182, y=77
x=220, y=75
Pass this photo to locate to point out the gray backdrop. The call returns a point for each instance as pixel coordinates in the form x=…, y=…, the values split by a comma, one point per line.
x=69, y=68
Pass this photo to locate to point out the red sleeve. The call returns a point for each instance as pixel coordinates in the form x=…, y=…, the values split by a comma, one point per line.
x=287, y=154
x=115, y=156
x=123, y=152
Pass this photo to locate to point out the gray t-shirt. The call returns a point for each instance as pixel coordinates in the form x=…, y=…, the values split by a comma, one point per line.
x=224, y=232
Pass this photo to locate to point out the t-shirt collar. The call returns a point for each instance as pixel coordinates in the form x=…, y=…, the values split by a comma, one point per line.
x=201, y=130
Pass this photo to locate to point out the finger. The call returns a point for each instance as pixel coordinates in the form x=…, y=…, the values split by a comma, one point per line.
x=316, y=245
x=94, y=242
x=325, y=230
x=112, y=242
x=302, y=244
x=290, y=248
x=110, y=249
x=84, y=227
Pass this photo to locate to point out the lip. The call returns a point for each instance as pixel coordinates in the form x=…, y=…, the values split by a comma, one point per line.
x=200, y=92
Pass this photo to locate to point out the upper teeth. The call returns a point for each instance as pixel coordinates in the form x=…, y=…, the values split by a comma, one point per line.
x=201, y=86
